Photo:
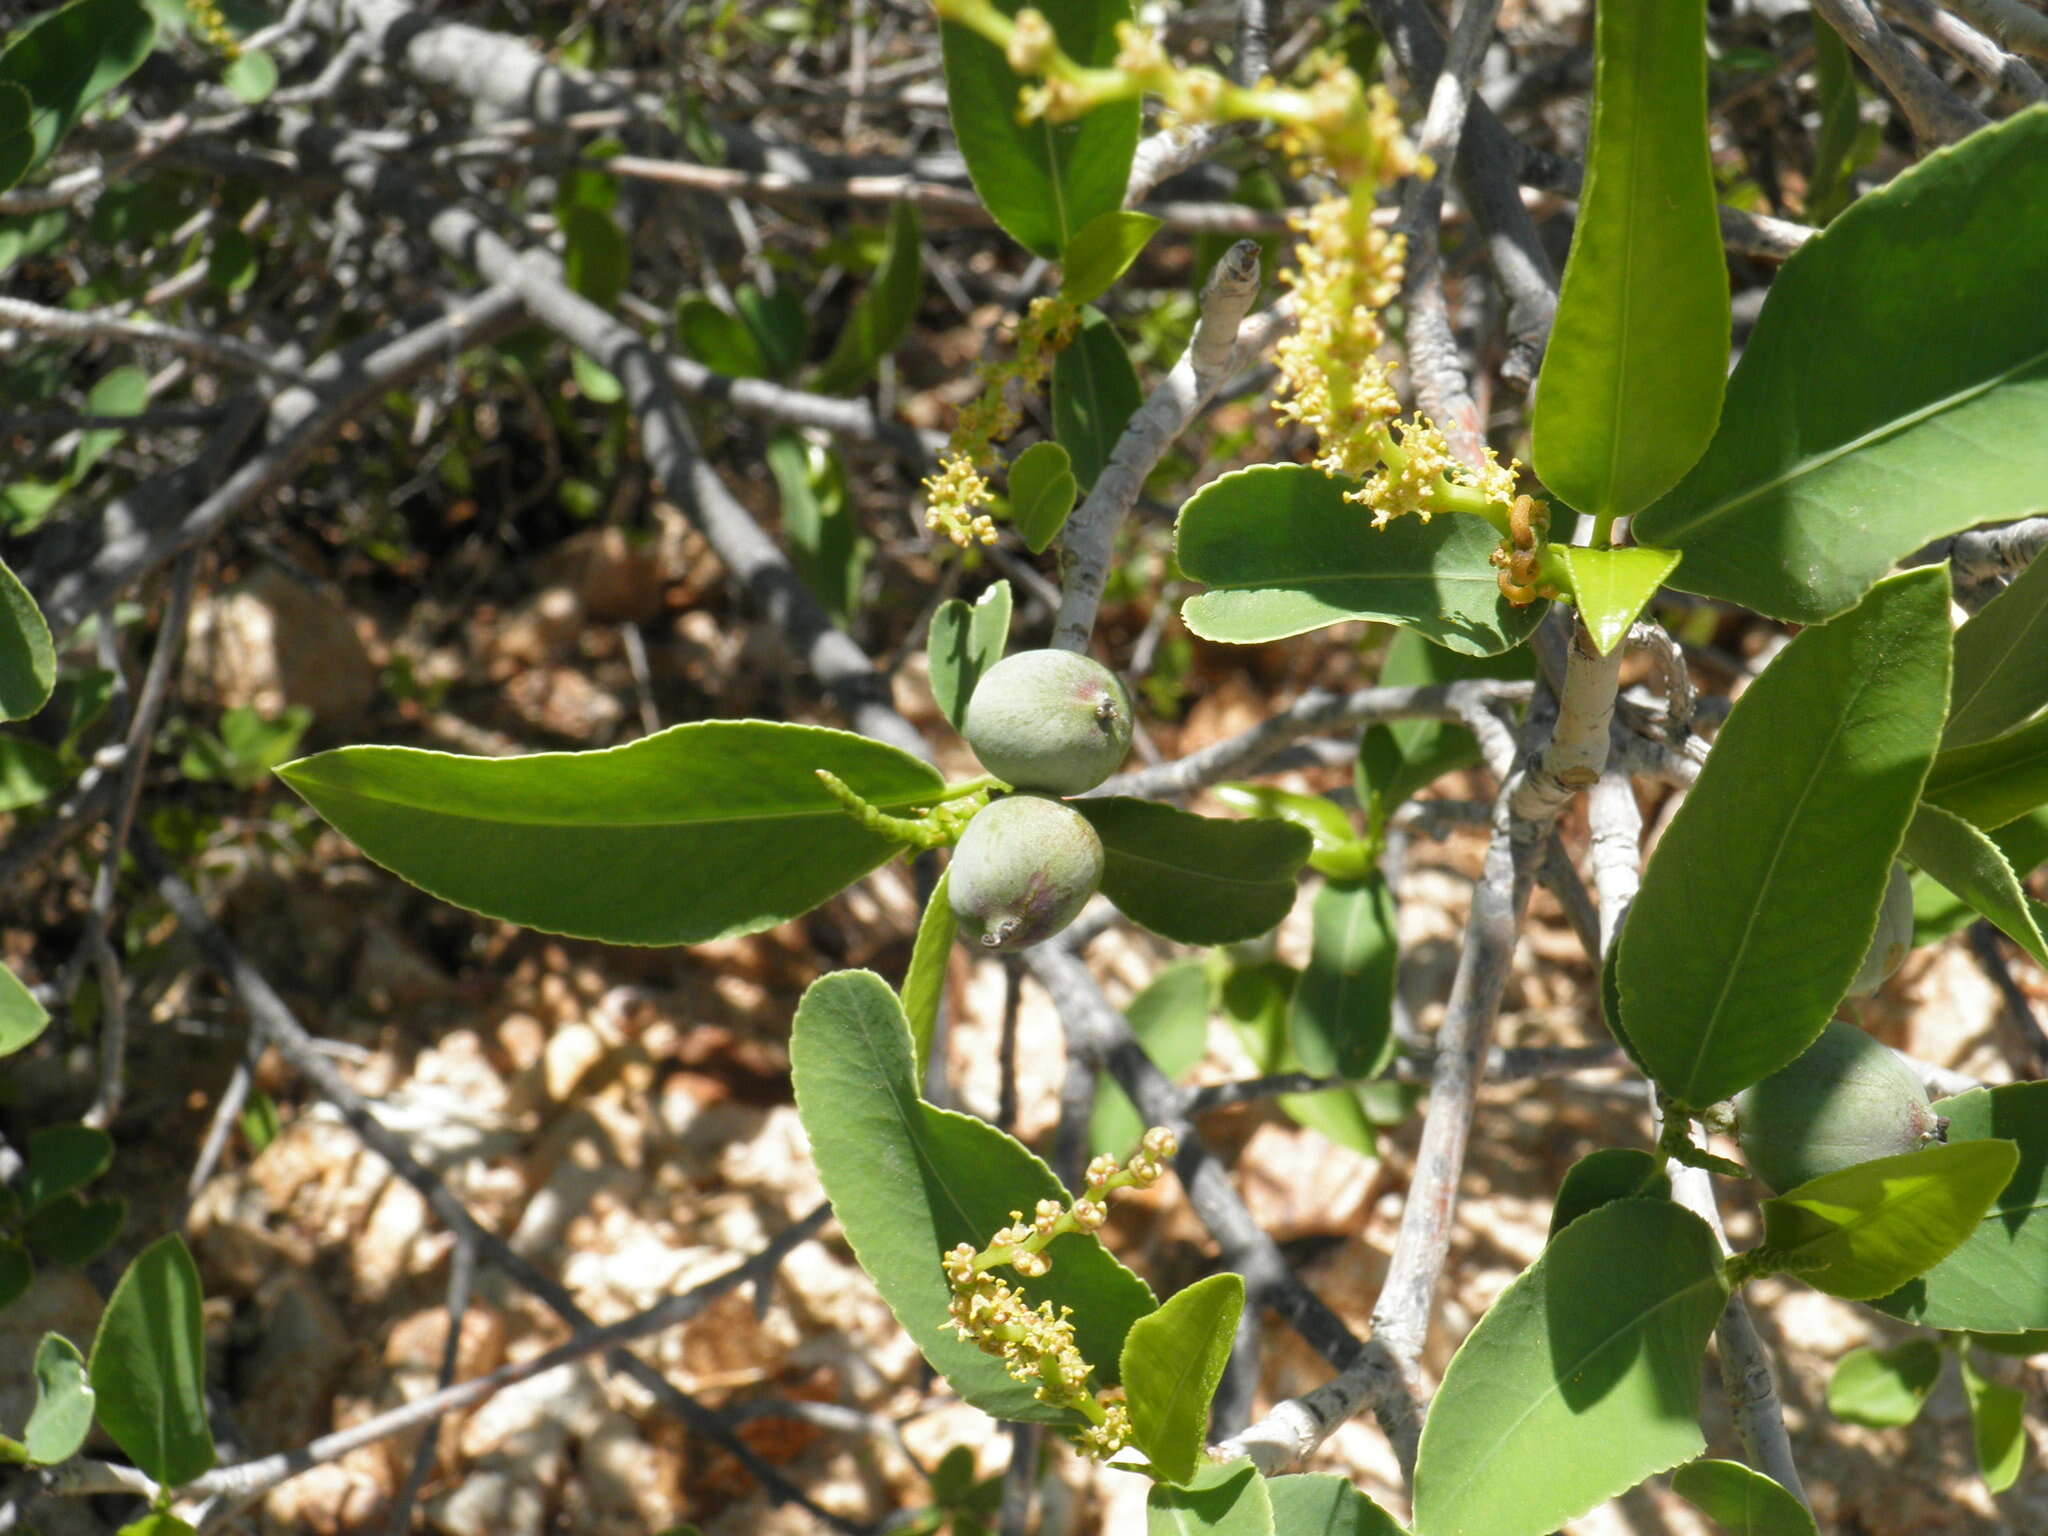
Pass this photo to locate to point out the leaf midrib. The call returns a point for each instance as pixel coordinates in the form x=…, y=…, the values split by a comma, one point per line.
x=825, y=812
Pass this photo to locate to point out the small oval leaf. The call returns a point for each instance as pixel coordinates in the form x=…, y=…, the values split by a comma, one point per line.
x=1196, y=879
x=1172, y=1361
x=1884, y=1388
x=64, y=1403
x=149, y=1365
x=965, y=642
x=1741, y=1501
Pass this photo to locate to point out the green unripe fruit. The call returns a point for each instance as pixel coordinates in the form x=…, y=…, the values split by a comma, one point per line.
x=1052, y=721
x=1846, y=1101
x=1893, y=940
x=1023, y=870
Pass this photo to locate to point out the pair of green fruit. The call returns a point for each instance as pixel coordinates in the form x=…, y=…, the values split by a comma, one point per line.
x=1047, y=723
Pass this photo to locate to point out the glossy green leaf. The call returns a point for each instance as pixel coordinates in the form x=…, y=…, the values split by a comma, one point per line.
x=1611, y=586
x=698, y=832
x=1042, y=493
x=1170, y=1019
x=1172, y=1361
x=1394, y=761
x=58, y=1425
x=22, y=1018
x=62, y=1158
x=1230, y=1500
x=720, y=341
x=881, y=318
x=1611, y=1173
x=1283, y=552
x=1317, y=1504
x=1195, y=879
x=1101, y=251
x=17, y=133
x=1993, y=782
x=17, y=1271
x=28, y=661
x=1095, y=392
x=965, y=642
x=68, y=60
x=2018, y=1345
x=251, y=76
x=1841, y=112
x=1256, y=1000
x=2000, y=681
x=149, y=1365
x=1632, y=376
x=908, y=1182
x=818, y=521
x=1884, y=1388
x=1741, y=1501
x=1939, y=912
x=1997, y=1281
x=1965, y=860
x=1866, y=1230
x=1762, y=897
x=1997, y=1426
x=1582, y=1380
x=1040, y=181
x=1863, y=421
x=780, y=324
x=924, y=984
x=1338, y=850
x=73, y=1230
x=1342, y=1018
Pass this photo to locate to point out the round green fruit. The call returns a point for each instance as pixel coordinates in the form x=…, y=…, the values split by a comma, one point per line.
x=1846, y=1101
x=1052, y=721
x=1893, y=940
x=1023, y=870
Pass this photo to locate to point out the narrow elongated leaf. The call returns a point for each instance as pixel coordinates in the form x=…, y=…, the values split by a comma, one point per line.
x=1042, y=494
x=1317, y=1504
x=1884, y=1388
x=1041, y=181
x=22, y=1018
x=1394, y=761
x=1741, y=1501
x=1612, y=1173
x=62, y=1158
x=1095, y=391
x=1993, y=782
x=1997, y=1425
x=68, y=60
x=1283, y=552
x=924, y=984
x=694, y=833
x=1230, y=1500
x=148, y=1365
x=1342, y=1018
x=17, y=133
x=2000, y=681
x=64, y=1401
x=882, y=318
x=1997, y=1281
x=965, y=642
x=1195, y=879
x=1968, y=863
x=1611, y=586
x=1582, y=1380
x=908, y=1182
x=28, y=661
x=1762, y=897
x=1171, y=1020
x=1101, y=251
x=1632, y=377
x=1865, y=1230
x=1862, y=421
x=1172, y=1361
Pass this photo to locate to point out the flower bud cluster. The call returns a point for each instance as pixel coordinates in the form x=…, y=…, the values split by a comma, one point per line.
x=208, y=22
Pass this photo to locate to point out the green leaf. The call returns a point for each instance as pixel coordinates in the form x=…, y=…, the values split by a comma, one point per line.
x=2000, y=682
x=698, y=832
x=1611, y=1173
x=75, y=1231
x=17, y=1271
x=1866, y=1230
x=1841, y=113
x=720, y=341
x=22, y=1018
x=119, y=392
x=1195, y=879
x=818, y=520
x=1863, y=421
x=1172, y=1362
x=1997, y=1281
x=68, y=60
x=1582, y=1380
x=1611, y=586
x=924, y=984
x=595, y=258
x=909, y=1182
x=598, y=384
x=1342, y=1018
x=1042, y=493
x=1338, y=852
x=1283, y=553
x=1101, y=251
x=157, y=1522
x=232, y=262
x=1256, y=1000
x=149, y=1365
x=881, y=319
x=965, y=642
x=62, y=1158
x=1993, y=782
x=780, y=325
x=17, y=133
x=1318, y=1504
x=1998, y=1426
x=1743, y=1502
x=2019, y=1345
x=1939, y=912
x=1394, y=761
x=1762, y=897
x=1230, y=1500
x=1170, y=1018
x=1095, y=392
x=28, y=661
x=251, y=76
x=1884, y=1388
x=1632, y=377
x=29, y=773
x=1968, y=863
x=259, y=1121
x=1040, y=181
x=64, y=1402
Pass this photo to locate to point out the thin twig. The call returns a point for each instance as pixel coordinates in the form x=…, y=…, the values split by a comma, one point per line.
x=1936, y=114
x=86, y=325
x=2011, y=76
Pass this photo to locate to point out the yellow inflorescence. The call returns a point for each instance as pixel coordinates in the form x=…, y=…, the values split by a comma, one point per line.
x=211, y=25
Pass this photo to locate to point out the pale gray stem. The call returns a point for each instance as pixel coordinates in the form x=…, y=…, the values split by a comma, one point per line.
x=2009, y=21
x=2011, y=76
x=1577, y=753
x=1936, y=114
x=89, y=325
